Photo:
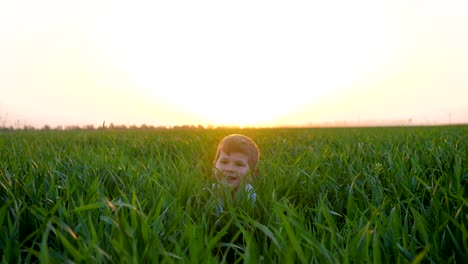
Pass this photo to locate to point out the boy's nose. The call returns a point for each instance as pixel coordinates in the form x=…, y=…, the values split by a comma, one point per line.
x=229, y=168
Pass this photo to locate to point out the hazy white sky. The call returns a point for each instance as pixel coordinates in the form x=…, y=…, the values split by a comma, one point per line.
x=232, y=62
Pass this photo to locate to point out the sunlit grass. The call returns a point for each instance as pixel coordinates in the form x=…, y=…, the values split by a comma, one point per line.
x=392, y=195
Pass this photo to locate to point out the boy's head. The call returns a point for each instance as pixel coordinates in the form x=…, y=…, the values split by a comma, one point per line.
x=237, y=156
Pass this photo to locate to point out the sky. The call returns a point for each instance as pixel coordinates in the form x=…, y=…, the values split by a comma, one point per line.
x=243, y=63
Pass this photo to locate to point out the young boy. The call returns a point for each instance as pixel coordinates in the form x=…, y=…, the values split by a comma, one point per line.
x=235, y=166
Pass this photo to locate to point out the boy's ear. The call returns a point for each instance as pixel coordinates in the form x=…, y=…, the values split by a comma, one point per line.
x=255, y=172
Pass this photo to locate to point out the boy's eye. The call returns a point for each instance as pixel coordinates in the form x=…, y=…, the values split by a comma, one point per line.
x=240, y=164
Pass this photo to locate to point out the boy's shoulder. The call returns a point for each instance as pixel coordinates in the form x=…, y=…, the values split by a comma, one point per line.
x=248, y=189
x=251, y=195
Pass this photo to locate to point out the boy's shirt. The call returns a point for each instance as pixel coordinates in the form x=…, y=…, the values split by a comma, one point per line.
x=249, y=191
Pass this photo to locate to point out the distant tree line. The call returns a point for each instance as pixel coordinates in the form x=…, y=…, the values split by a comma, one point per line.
x=111, y=126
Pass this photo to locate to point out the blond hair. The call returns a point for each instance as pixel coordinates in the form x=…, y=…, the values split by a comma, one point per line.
x=242, y=144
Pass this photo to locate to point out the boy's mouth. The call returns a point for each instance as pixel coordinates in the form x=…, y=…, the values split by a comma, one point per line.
x=231, y=178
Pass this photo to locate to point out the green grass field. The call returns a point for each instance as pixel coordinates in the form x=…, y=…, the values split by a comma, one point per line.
x=341, y=195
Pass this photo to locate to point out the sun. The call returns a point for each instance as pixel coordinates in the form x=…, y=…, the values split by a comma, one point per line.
x=235, y=105
x=223, y=70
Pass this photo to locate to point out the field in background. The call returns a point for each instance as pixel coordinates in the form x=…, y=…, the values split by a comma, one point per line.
x=393, y=195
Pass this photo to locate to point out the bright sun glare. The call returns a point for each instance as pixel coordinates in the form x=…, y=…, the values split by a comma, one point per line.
x=246, y=63
x=230, y=66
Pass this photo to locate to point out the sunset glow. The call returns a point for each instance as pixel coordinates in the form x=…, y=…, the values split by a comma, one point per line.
x=246, y=63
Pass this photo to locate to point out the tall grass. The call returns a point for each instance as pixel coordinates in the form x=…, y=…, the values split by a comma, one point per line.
x=392, y=195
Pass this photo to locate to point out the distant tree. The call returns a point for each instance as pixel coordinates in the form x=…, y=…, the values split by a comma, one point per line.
x=73, y=127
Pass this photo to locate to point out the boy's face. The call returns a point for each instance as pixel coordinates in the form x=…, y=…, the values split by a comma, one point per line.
x=232, y=168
